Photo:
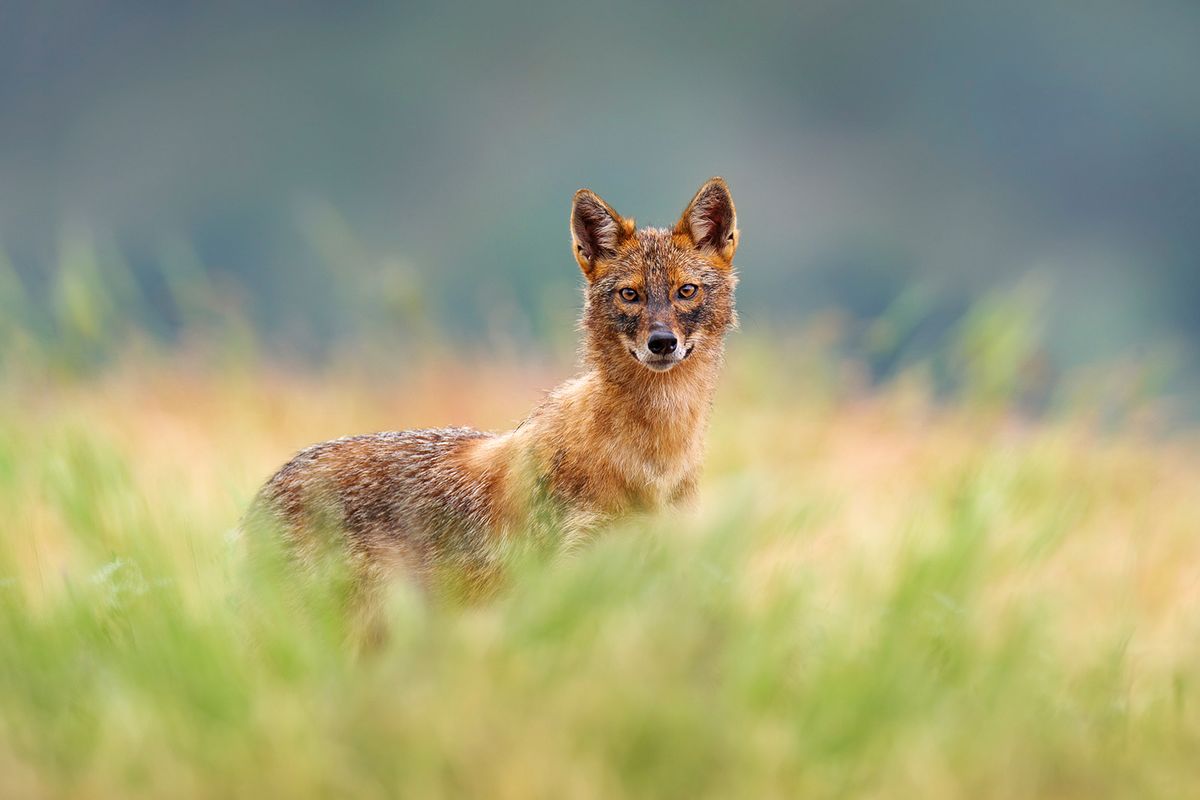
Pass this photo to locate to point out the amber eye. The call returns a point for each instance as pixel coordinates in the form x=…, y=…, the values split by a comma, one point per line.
x=687, y=291
x=629, y=295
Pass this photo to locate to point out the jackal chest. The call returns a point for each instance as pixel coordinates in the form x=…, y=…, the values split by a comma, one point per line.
x=637, y=477
x=655, y=482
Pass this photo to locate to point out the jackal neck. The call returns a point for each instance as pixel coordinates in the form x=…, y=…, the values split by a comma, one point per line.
x=649, y=415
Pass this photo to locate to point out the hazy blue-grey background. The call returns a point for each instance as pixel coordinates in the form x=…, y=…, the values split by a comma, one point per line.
x=326, y=164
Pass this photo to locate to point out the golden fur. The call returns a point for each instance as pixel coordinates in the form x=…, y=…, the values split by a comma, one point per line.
x=628, y=434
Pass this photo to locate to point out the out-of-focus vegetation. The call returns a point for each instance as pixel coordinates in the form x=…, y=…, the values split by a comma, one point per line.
x=995, y=352
x=881, y=594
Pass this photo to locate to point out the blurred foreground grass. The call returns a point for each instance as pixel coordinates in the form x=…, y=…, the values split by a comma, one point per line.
x=879, y=596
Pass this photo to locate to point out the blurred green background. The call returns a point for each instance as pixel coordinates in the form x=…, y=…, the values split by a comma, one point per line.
x=326, y=174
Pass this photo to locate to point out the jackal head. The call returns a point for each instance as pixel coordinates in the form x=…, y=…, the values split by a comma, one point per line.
x=656, y=297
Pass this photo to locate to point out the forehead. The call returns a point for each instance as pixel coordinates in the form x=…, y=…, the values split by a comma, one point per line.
x=653, y=254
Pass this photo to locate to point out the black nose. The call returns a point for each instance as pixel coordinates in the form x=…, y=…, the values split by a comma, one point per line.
x=662, y=342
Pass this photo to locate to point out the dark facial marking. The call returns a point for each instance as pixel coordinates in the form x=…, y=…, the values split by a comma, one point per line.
x=626, y=323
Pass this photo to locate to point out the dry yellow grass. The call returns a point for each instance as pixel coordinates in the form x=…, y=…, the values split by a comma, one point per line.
x=879, y=596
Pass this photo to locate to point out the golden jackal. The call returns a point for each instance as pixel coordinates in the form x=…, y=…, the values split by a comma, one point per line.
x=626, y=435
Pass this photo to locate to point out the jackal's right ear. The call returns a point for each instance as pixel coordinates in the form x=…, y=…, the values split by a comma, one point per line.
x=597, y=230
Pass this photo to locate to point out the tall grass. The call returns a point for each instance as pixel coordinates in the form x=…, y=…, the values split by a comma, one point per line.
x=879, y=596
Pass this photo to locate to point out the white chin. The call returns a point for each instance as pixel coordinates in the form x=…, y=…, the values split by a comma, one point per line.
x=661, y=364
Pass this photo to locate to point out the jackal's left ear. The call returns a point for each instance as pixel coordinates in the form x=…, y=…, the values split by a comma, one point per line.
x=710, y=220
x=597, y=230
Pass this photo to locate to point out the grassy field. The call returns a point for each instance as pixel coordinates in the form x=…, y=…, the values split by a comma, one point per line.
x=880, y=596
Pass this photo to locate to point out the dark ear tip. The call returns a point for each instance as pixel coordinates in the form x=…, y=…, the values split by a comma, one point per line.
x=715, y=182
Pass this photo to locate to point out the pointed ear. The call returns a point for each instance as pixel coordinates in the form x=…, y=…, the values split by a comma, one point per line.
x=597, y=230
x=710, y=220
